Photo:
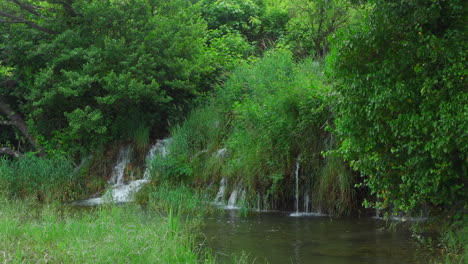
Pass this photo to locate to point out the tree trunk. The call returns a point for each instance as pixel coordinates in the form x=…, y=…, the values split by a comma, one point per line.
x=19, y=123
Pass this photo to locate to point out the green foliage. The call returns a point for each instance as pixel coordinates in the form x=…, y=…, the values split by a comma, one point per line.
x=312, y=22
x=274, y=104
x=401, y=102
x=229, y=49
x=233, y=15
x=111, y=61
x=51, y=179
x=274, y=20
x=454, y=241
x=262, y=23
x=335, y=185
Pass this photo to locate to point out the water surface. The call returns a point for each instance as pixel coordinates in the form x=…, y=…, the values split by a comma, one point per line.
x=280, y=238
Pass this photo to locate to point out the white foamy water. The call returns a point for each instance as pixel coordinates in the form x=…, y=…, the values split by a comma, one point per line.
x=121, y=192
x=219, y=200
x=232, y=200
x=119, y=170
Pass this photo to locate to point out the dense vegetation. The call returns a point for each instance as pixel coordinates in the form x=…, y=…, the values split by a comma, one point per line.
x=267, y=116
x=365, y=100
x=402, y=102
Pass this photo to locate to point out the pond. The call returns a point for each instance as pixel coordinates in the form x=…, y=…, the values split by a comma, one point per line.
x=279, y=238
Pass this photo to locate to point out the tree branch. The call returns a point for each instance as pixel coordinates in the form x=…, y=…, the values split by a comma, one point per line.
x=30, y=8
x=20, y=124
x=16, y=19
x=11, y=152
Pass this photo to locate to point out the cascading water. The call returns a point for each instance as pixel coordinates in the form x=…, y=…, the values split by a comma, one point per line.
x=258, y=202
x=120, y=192
x=233, y=197
x=221, y=153
x=306, y=212
x=160, y=148
x=119, y=169
x=296, y=174
x=306, y=203
x=220, y=195
x=265, y=202
x=232, y=200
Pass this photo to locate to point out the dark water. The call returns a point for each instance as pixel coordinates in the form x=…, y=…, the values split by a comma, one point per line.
x=279, y=238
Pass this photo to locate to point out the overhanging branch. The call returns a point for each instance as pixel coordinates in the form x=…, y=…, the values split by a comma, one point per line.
x=15, y=19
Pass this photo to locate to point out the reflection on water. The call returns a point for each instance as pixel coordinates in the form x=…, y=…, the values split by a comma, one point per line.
x=278, y=238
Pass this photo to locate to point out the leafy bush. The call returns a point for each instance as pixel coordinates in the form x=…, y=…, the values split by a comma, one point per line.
x=401, y=102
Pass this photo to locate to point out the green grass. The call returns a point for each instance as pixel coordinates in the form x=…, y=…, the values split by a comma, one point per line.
x=335, y=187
x=181, y=199
x=454, y=243
x=32, y=233
x=43, y=179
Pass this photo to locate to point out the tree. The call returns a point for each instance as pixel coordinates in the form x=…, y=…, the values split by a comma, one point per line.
x=312, y=22
x=17, y=121
x=110, y=70
x=401, y=102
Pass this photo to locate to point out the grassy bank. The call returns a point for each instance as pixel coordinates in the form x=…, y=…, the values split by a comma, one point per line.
x=33, y=233
x=269, y=117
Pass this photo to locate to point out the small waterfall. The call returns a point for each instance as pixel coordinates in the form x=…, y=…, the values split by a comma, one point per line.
x=222, y=189
x=296, y=173
x=258, y=202
x=118, y=172
x=125, y=192
x=159, y=148
x=233, y=197
x=377, y=214
x=221, y=153
x=265, y=202
x=232, y=200
x=120, y=192
x=306, y=201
